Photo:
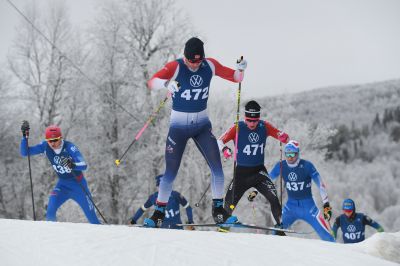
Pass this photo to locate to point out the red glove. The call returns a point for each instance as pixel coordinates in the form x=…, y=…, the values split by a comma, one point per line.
x=283, y=137
x=227, y=152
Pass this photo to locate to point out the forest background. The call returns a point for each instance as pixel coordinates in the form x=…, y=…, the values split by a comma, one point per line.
x=350, y=133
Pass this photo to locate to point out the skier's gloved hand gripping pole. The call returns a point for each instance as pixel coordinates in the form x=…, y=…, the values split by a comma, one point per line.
x=241, y=66
x=149, y=120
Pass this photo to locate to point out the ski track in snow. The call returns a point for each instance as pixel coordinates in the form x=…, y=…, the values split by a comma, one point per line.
x=49, y=243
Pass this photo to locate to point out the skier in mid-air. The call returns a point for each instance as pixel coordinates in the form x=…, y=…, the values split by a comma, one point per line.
x=353, y=223
x=172, y=211
x=298, y=174
x=188, y=80
x=68, y=163
x=250, y=169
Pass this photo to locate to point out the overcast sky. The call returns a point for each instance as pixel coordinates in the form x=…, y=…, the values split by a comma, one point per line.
x=290, y=45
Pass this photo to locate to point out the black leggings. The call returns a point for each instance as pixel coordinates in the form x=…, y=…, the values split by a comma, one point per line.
x=258, y=178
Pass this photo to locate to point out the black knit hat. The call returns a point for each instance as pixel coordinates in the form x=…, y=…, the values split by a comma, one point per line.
x=194, y=49
x=252, y=109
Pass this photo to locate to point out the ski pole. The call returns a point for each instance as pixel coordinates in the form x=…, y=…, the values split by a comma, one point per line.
x=236, y=139
x=149, y=120
x=89, y=197
x=254, y=216
x=280, y=174
x=30, y=176
x=202, y=196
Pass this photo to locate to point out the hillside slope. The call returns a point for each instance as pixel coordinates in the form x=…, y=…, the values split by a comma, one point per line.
x=48, y=243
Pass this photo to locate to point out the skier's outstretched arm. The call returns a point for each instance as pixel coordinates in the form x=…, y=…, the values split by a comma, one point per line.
x=276, y=133
x=226, y=72
x=226, y=137
x=315, y=176
x=161, y=78
x=275, y=172
x=142, y=209
x=367, y=220
x=33, y=150
x=79, y=163
x=335, y=227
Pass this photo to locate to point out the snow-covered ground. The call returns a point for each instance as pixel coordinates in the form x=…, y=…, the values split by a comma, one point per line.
x=48, y=243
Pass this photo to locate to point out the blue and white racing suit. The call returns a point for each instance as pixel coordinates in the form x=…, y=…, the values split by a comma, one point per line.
x=70, y=184
x=300, y=204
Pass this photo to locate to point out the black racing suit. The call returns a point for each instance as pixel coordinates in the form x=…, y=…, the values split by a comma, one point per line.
x=258, y=178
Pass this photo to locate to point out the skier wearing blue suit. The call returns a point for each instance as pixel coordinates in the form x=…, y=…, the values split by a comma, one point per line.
x=297, y=174
x=353, y=223
x=172, y=211
x=68, y=163
x=188, y=79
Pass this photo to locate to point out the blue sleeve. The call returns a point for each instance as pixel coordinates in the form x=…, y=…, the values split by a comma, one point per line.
x=275, y=172
x=315, y=176
x=77, y=158
x=367, y=220
x=185, y=204
x=33, y=150
x=141, y=210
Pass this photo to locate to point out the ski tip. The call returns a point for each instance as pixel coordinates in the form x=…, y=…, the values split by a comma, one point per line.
x=117, y=162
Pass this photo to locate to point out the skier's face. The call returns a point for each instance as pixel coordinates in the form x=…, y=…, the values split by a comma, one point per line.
x=193, y=64
x=252, y=123
x=348, y=213
x=54, y=143
x=291, y=157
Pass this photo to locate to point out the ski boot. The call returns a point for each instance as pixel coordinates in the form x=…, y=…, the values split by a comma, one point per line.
x=221, y=216
x=278, y=233
x=155, y=221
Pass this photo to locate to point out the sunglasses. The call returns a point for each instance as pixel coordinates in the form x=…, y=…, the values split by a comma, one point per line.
x=53, y=140
x=195, y=61
x=252, y=120
x=290, y=154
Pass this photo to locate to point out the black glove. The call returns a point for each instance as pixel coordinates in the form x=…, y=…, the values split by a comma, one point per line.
x=67, y=162
x=132, y=221
x=252, y=195
x=327, y=211
x=25, y=128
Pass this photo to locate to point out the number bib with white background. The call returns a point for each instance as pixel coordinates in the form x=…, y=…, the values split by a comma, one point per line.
x=298, y=179
x=251, y=144
x=353, y=231
x=193, y=94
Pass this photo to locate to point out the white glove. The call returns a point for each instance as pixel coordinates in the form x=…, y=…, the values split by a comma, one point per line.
x=173, y=86
x=241, y=66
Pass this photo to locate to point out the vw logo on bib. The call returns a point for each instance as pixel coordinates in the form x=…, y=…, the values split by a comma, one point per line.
x=351, y=228
x=196, y=81
x=292, y=176
x=253, y=137
x=57, y=159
